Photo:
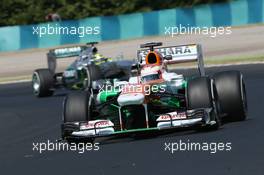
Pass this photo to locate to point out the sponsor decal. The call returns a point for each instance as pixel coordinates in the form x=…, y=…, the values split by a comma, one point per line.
x=97, y=124
x=69, y=73
x=172, y=116
x=67, y=50
x=175, y=51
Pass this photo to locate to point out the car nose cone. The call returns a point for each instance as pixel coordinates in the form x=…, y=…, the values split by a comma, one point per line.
x=131, y=99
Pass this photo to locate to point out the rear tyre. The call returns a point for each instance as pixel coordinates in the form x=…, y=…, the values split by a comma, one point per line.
x=42, y=83
x=200, y=93
x=232, y=95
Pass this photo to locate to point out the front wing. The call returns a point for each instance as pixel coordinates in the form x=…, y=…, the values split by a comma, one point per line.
x=104, y=128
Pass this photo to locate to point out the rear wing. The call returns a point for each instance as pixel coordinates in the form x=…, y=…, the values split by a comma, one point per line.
x=177, y=54
x=65, y=52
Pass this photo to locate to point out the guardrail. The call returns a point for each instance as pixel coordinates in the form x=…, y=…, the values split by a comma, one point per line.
x=235, y=13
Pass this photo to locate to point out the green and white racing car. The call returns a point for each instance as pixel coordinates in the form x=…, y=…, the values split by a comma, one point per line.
x=157, y=99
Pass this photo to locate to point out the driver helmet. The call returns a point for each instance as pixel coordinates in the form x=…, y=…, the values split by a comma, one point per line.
x=150, y=73
x=94, y=50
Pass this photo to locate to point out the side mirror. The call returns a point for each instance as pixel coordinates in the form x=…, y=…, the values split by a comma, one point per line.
x=168, y=57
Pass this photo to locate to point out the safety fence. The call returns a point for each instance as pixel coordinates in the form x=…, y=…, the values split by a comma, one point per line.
x=235, y=13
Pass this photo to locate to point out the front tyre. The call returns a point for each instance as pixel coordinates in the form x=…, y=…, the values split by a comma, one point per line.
x=77, y=107
x=42, y=83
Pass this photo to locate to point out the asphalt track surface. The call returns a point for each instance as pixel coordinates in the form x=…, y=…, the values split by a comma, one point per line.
x=25, y=119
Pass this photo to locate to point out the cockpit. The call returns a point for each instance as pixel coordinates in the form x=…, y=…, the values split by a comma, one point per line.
x=150, y=77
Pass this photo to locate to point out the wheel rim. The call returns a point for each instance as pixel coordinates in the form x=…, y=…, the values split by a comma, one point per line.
x=36, y=83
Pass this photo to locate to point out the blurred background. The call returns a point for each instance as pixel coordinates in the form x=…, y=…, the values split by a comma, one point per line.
x=18, y=12
x=124, y=25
